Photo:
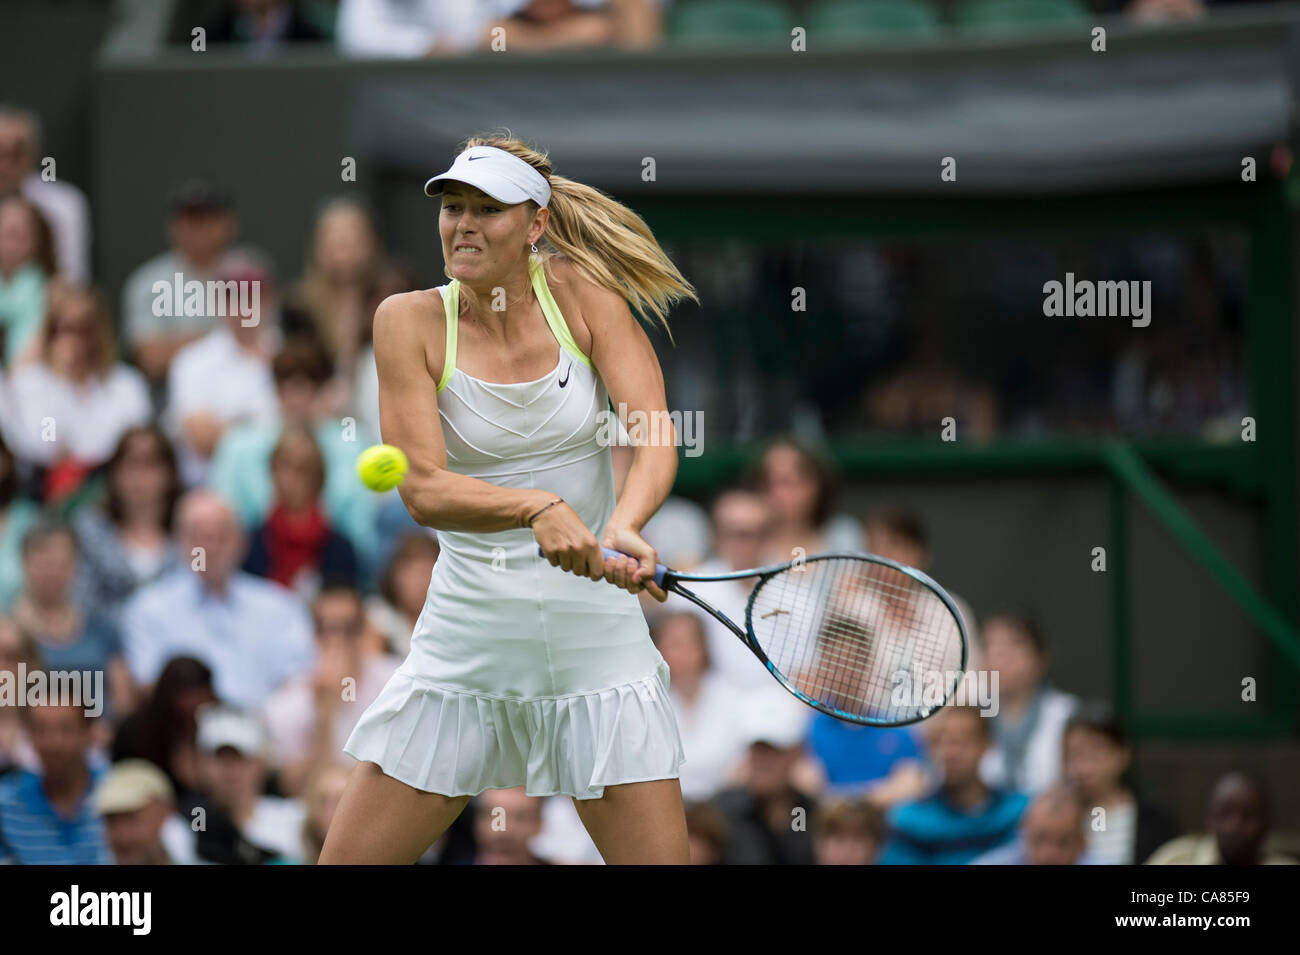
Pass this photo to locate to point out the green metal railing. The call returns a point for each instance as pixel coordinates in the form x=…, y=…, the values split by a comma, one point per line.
x=1130, y=477
x=1264, y=471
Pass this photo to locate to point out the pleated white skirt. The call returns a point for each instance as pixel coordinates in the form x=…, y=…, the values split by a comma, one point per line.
x=439, y=739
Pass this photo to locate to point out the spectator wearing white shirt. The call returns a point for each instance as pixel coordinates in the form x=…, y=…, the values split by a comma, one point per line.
x=742, y=522
x=310, y=718
x=571, y=24
x=1097, y=760
x=223, y=379
x=201, y=231
x=417, y=28
x=1029, y=727
x=72, y=404
x=62, y=204
x=706, y=704
x=253, y=634
x=413, y=28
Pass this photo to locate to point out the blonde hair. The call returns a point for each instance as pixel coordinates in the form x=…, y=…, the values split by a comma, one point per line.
x=103, y=342
x=603, y=237
x=313, y=293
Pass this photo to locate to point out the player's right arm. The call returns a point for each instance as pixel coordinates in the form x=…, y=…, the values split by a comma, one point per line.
x=409, y=341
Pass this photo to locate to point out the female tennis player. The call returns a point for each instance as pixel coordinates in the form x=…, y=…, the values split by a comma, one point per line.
x=495, y=385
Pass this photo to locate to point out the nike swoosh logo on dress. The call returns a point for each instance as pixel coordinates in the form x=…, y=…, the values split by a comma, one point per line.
x=565, y=380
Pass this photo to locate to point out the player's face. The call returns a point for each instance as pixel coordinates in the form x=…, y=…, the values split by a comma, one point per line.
x=481, y=237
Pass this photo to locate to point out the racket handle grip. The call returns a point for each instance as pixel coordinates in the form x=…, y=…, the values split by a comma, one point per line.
x=660, y=569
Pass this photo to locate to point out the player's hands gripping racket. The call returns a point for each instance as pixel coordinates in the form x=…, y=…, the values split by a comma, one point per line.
x=857, y=636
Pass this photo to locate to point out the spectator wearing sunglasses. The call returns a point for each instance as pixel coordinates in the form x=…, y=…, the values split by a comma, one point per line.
x=72, y=404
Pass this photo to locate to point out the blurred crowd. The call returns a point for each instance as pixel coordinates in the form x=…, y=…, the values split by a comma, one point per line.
x=439, y=28
x=179, y=513
x=898, y=336
x=422, y=28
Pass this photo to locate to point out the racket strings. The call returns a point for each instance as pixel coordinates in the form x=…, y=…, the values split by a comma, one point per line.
x=859, y=637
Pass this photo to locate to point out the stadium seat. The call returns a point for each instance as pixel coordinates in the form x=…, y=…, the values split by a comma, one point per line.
x=996, y=16
x=715, y=21
x=868, y=18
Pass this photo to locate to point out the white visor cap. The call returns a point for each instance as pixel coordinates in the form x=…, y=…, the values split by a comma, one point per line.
x=502, y=175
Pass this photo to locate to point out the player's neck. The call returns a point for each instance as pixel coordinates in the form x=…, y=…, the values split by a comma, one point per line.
x=493, y=307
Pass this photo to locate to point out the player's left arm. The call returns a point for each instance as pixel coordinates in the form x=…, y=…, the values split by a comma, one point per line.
x=627, y=363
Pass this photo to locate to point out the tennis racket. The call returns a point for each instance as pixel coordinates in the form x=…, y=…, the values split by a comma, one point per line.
x=859, y=637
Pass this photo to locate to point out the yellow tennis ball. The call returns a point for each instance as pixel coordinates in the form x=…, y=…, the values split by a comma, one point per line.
x=381, y=467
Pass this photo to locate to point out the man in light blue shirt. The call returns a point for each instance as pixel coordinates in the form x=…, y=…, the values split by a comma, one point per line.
x=1051, y=833
x=253, y=633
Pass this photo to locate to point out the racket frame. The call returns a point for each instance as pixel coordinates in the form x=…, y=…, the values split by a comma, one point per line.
x=671, y=581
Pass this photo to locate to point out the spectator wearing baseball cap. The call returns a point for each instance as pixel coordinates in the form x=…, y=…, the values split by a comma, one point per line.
x=233, y=770
x=201, y=230
x=768, y=818
x=137, y=803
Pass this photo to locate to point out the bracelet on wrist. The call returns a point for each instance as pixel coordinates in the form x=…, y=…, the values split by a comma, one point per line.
x=538, y=513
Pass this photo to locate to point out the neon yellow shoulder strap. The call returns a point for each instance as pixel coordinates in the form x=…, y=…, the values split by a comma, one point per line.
x=451, y=306
x=554, y=318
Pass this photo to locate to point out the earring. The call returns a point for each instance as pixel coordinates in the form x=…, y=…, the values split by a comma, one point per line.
x=534, y=246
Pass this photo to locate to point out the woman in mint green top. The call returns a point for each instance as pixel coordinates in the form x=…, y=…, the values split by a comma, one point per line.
x=26, y=260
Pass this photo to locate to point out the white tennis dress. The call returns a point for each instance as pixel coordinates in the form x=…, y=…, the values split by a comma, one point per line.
x=520, y=673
